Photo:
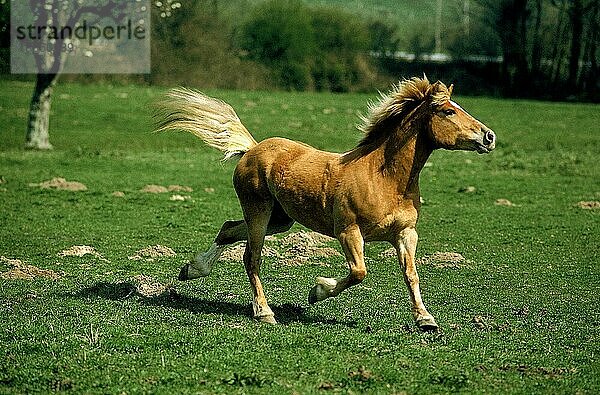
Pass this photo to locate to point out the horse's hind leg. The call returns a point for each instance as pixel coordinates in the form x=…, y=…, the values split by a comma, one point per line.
x=231, y=232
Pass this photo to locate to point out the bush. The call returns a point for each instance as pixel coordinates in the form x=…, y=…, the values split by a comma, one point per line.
x=296, y=75
x=384, y=38
x=193, y=47
x=278, y=32
x=320, y=48
x=341, y=39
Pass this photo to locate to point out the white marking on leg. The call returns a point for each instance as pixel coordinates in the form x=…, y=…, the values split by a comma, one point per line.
x=324, y=288
x=204, y=262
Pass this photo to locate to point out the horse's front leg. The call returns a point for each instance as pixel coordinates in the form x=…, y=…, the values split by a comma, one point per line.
x=352, y=242
x=406, y=246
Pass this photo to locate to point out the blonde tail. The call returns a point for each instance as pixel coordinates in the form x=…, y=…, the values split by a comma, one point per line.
x=212, y=120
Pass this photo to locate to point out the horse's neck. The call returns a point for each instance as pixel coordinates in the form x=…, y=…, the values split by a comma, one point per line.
x=403, y=160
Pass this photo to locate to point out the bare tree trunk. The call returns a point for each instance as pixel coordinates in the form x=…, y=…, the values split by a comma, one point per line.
x=589, y=78
x=38, y=136
x=48, y=65
x=576, y=17
x=536, y=51
x=558, y=44
x=511, y=23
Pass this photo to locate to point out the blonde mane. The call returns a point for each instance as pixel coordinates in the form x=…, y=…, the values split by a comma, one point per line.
x=398, y=104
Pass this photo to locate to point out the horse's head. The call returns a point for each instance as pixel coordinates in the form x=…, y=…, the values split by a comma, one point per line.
x=417, y=102
x=453, y=128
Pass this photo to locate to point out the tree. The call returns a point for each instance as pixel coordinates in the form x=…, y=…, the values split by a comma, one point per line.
x=549, y=47
x=49, y=36
x=578, y=10
x=384, y=38
x=591, y=71
x=280, y=35
x=509, y=20
x=307, y=47
x=4, y=24
x=511, y=23
x=576, y=18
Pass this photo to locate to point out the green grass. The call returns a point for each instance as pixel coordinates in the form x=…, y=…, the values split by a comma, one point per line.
x=532, y=281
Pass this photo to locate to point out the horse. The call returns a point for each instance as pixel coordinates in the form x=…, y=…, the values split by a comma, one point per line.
x=370, y=193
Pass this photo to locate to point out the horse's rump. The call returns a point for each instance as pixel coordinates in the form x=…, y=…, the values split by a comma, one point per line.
x=295, y=175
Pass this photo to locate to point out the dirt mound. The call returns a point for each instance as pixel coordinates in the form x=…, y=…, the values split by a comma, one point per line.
x=305, y=238
x=82, y=250
x=148, y=287
x=151, y=188
x=388, y=253
x=468, y=189
x=291, y=250
x=504, y=202
x=236, y=253
x=60, y=184
x=19, y=270
x=152, y=252
x=443, y=260
x=588, y=205
x=437, y=259
x=179, y=188
x=119, y=194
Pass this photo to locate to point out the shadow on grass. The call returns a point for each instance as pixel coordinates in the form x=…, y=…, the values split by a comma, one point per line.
x=285, y=314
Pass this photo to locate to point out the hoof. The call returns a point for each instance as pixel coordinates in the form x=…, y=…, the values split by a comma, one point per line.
x=427, y=324
x=183, y=273
x=312, y=295
x=267, y=319
x=192, y=271
x=263, y=313
x=322, y=290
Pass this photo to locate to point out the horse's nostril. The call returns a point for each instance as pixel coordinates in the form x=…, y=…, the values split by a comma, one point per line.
x=489, y=137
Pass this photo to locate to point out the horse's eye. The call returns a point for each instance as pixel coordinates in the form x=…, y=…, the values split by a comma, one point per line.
x=449, y=111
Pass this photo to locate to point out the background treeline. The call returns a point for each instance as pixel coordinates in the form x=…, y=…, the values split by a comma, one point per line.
x=518, y=48
x=275, y=44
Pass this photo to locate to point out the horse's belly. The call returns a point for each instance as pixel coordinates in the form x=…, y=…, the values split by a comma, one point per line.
x=302, y=194
x=308, y=213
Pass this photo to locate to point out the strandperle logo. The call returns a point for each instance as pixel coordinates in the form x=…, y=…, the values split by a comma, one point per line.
x=75, y=36
x=90, y=33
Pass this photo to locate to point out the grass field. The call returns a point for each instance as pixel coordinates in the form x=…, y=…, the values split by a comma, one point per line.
x=520, y=315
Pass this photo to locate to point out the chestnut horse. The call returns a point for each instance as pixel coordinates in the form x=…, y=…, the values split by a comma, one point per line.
x=370, y=193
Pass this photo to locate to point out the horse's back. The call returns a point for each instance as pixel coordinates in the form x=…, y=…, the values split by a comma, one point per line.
x=277, y=156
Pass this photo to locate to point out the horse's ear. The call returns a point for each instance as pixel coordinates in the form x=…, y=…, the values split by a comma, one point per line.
x=432, y=88
x=450, y=89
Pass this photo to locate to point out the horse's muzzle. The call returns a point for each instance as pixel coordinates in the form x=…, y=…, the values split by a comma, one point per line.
x=489, y=138
x=488, y=141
